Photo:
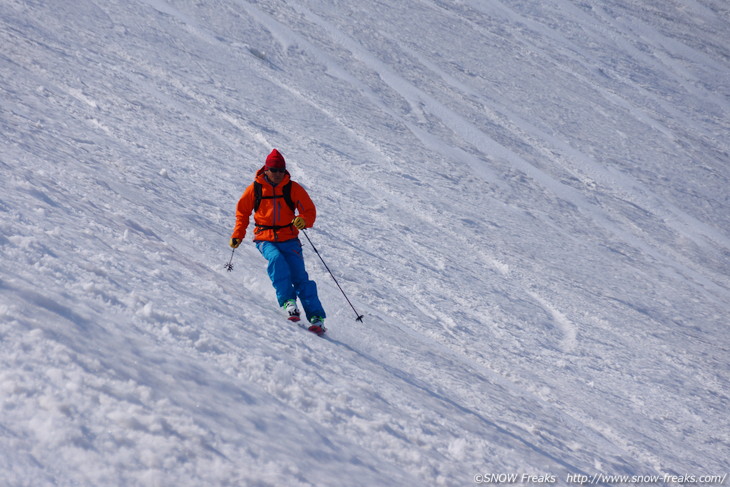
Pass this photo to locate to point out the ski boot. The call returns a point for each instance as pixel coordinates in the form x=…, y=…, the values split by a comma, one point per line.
x=290, y=307
x=317, y=325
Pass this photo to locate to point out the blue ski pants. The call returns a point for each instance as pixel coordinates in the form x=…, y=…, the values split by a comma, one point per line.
x=288, y=275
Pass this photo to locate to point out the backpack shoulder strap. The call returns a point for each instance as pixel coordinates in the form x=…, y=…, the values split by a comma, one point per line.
x=256, y=195
x=286, y=190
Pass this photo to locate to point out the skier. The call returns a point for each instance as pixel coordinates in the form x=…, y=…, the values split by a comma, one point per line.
x=281, y=208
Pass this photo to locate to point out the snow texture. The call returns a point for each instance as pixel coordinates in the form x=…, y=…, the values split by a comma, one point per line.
x=529, y=201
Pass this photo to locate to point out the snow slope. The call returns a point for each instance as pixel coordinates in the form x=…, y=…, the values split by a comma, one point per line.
x=528, y=200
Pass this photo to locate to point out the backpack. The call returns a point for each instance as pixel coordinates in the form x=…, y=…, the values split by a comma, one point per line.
x=258, y=196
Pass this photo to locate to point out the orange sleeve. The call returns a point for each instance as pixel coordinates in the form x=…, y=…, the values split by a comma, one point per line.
x=303, y=204
x=243, y=213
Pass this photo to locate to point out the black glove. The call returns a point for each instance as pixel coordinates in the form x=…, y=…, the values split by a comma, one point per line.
x=235, y=242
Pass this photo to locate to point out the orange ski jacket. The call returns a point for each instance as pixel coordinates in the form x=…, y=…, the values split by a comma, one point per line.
x=273, y=218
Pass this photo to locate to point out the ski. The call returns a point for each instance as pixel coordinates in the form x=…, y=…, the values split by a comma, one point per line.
x=317, y=326
x=318, y=330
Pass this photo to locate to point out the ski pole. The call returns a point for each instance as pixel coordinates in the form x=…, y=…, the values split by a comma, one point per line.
x=229, y=266
x=358, y=315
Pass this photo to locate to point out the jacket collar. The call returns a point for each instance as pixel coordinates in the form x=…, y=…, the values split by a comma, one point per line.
x=261, y=177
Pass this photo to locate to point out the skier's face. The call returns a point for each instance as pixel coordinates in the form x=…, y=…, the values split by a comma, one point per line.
x=275, y=177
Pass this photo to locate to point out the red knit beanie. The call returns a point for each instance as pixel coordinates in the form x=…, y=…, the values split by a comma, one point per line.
x=275, y=159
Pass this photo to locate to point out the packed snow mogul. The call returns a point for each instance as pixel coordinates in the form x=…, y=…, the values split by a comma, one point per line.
x=281, y=208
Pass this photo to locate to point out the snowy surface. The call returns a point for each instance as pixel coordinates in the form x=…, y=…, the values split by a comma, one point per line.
x=530, y=202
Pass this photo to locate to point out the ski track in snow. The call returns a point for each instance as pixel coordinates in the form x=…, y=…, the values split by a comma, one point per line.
x=528, y=202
